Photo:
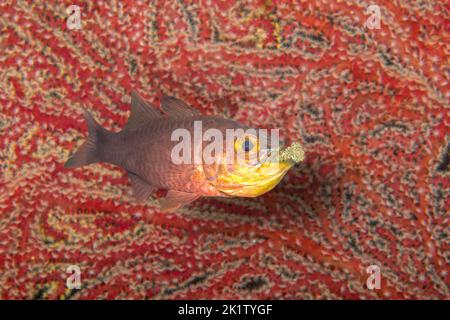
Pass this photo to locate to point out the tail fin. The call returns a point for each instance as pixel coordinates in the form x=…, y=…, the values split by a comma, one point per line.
x=88, y=152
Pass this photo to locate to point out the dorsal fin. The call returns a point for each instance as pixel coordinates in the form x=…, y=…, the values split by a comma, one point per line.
x=141, y=112
x=176, y=108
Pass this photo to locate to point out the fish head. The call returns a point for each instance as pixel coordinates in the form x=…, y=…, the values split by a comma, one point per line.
x=252, y=164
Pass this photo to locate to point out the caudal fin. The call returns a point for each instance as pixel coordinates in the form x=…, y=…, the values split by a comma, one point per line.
x=88, y=152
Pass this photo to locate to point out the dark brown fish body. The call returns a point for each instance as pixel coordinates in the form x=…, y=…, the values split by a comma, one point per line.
x=146, y=152
x=144, y=147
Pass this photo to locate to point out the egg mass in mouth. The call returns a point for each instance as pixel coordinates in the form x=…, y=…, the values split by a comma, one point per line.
x=294, y=153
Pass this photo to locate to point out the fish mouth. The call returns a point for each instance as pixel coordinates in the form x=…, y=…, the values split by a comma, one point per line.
x=253, y=190
x=264, y=175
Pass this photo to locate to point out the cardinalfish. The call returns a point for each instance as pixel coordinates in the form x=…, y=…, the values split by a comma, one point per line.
x=248, y=164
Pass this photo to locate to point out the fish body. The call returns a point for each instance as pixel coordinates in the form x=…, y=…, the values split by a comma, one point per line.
x=146, y=152
x=144, y=148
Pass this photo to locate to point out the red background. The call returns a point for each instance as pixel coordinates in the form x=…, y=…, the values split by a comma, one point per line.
x=371, y=108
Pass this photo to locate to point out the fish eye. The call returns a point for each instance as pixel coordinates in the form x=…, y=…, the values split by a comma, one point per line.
x=247, y=145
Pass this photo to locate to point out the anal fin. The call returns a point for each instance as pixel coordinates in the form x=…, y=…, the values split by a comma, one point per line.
x=141, y=189
x=176, y=199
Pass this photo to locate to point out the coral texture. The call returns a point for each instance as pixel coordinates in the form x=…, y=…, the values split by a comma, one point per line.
x=370, y=107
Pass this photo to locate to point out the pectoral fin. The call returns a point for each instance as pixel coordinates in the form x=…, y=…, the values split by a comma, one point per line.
x=177, y=199
x=141, y=189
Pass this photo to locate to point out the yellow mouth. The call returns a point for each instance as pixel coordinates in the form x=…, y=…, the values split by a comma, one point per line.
x=253, y=181
x=253, y=184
